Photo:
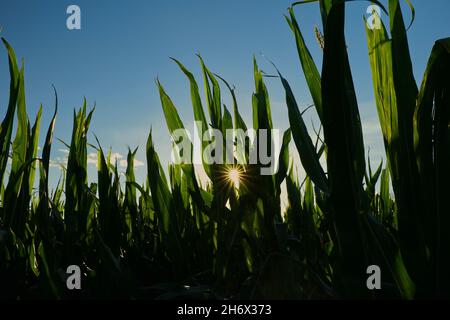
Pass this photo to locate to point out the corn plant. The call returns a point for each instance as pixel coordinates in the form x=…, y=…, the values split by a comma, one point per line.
x=169, y=236
x=413, y=130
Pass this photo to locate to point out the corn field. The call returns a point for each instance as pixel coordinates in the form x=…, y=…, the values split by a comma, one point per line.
x=170, y=237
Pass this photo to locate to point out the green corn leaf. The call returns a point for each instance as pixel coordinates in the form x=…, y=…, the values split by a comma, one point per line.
x=32, y=153
x=212, y=99
x=199, y=114
x=227, y=120
x=309, y=68
x=130, y=188
x=45, y=163
x=163, y=203
x=303, y=142
x=49, y=270
x=238, y=121
x=283, y=162
x=395, y=96
x=432, y=142
x=108, y=215
x=6, y=126
x=20, y=142
x=345, y=153
x=261, y=107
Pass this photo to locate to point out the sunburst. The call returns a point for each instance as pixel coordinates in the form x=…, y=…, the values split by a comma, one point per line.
x=233, y=176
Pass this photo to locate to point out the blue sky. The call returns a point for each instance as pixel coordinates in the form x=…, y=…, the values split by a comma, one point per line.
x=124, y=45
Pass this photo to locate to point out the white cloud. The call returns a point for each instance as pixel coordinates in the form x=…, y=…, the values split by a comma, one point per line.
x=58, y=162
x=137, y=163
x=115, y=157
x=92, y=159
x=371, y=126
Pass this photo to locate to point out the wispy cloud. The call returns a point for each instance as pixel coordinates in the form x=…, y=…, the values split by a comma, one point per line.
x=58, y=162
x=137, y=163
x=92, y=159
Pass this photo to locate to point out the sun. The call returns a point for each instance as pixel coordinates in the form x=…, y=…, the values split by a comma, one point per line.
x=233, y=176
